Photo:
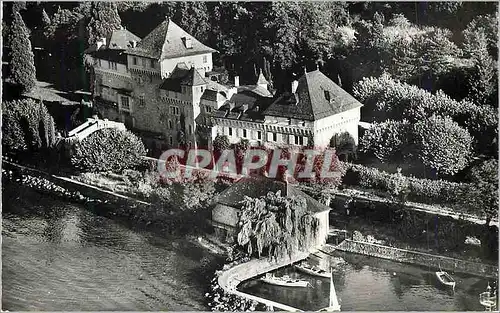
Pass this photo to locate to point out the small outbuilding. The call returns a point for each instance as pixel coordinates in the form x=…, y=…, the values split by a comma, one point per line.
x=228, y=205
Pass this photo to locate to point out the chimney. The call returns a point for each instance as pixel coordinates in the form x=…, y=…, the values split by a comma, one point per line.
x=236, y=81
x=295, y=84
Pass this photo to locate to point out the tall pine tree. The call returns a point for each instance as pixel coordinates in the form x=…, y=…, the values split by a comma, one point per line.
x=104, y=19
x=20, y=56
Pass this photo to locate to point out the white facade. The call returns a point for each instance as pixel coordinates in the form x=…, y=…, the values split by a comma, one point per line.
x=346, y=121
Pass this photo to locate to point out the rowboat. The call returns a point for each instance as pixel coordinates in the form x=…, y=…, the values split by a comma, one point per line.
x=284, y=280
x=445, y=279
x=312, y=270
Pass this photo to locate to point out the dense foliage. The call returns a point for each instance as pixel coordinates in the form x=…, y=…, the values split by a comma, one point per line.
x=385, y=97
x=442, y=145
x=419, y=190
x=276, y=226
x=22, y=72
x=26, y=126
x=386, y=140
x=481, y=195
x=108, y=150
x=104, y=19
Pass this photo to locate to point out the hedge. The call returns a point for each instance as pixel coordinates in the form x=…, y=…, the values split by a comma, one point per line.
x=420, y=190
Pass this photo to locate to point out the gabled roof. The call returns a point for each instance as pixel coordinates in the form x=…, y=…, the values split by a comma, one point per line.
x=312, y=99
x=182, y=76
x=168, y=41
x=256, y=187
x=118, y=40
x=254, y=103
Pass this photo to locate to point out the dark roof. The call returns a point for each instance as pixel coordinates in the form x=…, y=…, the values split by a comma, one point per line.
x=113, y=55
x=119, y=39
x=182, y=76
x=312, y=101
x=255, y=106
x=167, y=41
x=256, y=187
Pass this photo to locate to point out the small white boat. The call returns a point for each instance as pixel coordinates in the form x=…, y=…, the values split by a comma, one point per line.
x=445, y=279
x=285, y=281
x=312, y=270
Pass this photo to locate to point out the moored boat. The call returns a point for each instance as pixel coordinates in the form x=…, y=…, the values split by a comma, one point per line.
x=445, y=279
x=312, y=270
x=285, y=281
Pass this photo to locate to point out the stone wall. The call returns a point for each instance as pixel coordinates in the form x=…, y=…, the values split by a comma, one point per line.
x=418, y=258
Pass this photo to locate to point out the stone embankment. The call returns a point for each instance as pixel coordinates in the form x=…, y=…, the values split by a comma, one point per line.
x=418, y=258
x=230, y=278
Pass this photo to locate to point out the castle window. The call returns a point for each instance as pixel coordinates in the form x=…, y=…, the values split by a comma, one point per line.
x=259, y=135
x=244, y=133
x=205, y=59
x=141, y=100
x=152, y=63
x=125, y=103
x=208, y=108
x=170, y=140
x=275, y=137
x=134, y=60
x=100, y=64
x=201, y=88
x=230, y=131
x=190, y=129
x=170, y=124
x=143, y=62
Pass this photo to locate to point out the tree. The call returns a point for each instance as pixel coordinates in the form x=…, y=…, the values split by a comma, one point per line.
x=21, y=57
x=276, y=226
x=26, y=126
x=442, y=144
x=104, y=19
x=221, y=143
x=108, y=149
x=484, y=80
x=386, y=140
x=45, y=18
x=343, y=143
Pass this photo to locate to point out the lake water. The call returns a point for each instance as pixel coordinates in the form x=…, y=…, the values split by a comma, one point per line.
x=371, y=284
x=60, y=256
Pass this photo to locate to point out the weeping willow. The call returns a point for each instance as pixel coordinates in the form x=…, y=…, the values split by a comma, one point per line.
x=279, y=225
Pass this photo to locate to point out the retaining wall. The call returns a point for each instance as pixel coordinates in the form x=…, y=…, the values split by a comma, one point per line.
x=418, y=258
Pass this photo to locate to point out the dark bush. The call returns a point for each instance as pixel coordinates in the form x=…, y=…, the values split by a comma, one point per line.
x=108, y=150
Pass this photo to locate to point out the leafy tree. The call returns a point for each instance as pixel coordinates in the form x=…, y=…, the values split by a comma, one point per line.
x=276, y=226
x=482, y=24
x=398, y=187
x=104, y=19
x=442, y=144
x=386, y=140
x=26, y=126
x=108, y=150
x=20, y=57
x=221, y=143
x=343, y=143
x=45, y=18
x=481, y=196
x=484, y=82
x=193, y=18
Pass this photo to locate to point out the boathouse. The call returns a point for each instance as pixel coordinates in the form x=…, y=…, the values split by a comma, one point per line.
x=227, y=206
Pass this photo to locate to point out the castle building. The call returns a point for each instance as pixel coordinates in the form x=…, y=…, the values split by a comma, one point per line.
x=161, y=87
x=315, y=109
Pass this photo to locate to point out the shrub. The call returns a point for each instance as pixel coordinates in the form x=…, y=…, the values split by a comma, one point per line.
x=420, y=190
x=442, y=144
x=386, y=140
x=27, y=125
x=108, y=150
